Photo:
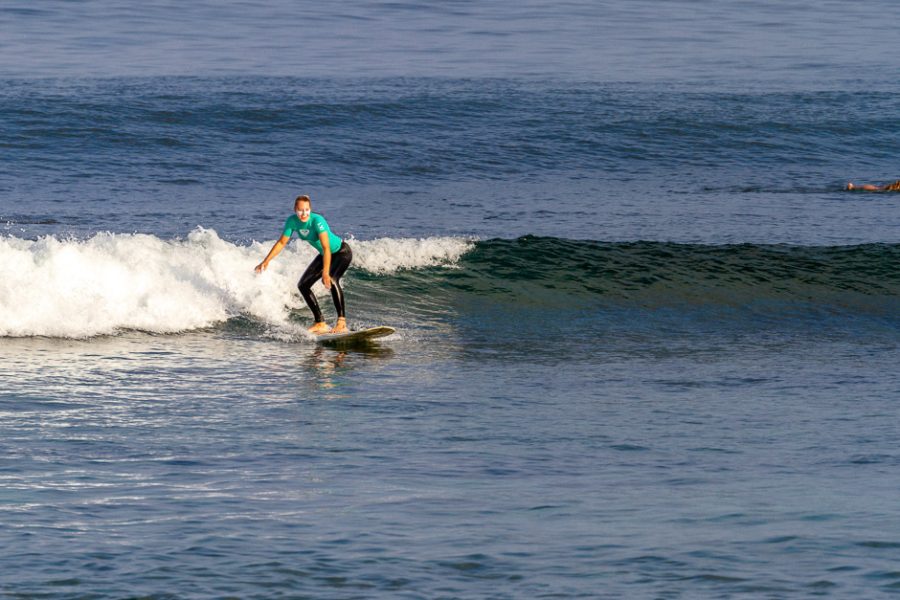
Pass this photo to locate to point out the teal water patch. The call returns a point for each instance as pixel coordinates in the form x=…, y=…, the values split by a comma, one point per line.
x=749, y=281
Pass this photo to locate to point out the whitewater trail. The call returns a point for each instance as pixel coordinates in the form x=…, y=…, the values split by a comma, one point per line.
x=110, y=282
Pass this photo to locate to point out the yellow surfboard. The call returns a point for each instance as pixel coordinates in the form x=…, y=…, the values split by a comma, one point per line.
x=355, y=336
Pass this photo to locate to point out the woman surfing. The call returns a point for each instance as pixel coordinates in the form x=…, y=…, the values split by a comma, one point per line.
x=329, y=265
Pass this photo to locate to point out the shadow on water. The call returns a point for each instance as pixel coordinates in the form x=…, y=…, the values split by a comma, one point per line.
x=329, y=365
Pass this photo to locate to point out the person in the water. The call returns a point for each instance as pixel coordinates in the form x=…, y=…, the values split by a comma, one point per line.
x=331, y=263
x=868, y=187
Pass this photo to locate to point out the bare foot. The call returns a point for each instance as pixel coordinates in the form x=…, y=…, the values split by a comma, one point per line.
x=340, y=326
x=320, y=327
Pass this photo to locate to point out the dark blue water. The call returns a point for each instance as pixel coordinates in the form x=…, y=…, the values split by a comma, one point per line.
x=646, y=344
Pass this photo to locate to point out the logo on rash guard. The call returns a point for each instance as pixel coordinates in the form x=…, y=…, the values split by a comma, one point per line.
x=304, y=232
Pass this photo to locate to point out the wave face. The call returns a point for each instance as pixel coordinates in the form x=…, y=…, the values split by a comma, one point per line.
x=656, y=274
x=113, y=282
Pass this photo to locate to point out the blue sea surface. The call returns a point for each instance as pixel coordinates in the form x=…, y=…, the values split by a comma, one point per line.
x=646, y=343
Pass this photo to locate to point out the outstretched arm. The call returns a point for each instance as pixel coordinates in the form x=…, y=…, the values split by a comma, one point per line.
x=867, y=187
x=278, y=247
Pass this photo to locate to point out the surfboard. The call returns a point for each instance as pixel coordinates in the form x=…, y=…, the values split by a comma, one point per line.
x=362, y=335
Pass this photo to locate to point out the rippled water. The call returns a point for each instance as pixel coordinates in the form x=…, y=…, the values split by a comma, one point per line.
x=646, y=344
x=498, y=158
x=807, y=42
x=204, y=465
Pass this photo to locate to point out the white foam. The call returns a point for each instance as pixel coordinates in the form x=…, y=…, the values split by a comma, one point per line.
x=388, y=255
x=110, y=282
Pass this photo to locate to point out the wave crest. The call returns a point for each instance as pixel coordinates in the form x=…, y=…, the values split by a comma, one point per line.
x=110, y=282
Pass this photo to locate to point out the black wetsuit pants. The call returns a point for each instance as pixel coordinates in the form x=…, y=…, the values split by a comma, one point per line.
x=340, y=260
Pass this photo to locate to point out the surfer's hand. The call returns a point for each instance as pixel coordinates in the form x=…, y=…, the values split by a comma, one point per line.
x=261, y=267
x=326, y=281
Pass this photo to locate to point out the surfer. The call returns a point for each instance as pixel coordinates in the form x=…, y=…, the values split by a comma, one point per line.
x=868, y=187
x=329, y=265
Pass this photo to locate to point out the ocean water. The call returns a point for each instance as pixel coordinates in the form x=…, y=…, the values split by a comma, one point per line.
x=646, y=346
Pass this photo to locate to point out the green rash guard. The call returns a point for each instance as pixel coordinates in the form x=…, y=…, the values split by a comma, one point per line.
x=310, y=231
